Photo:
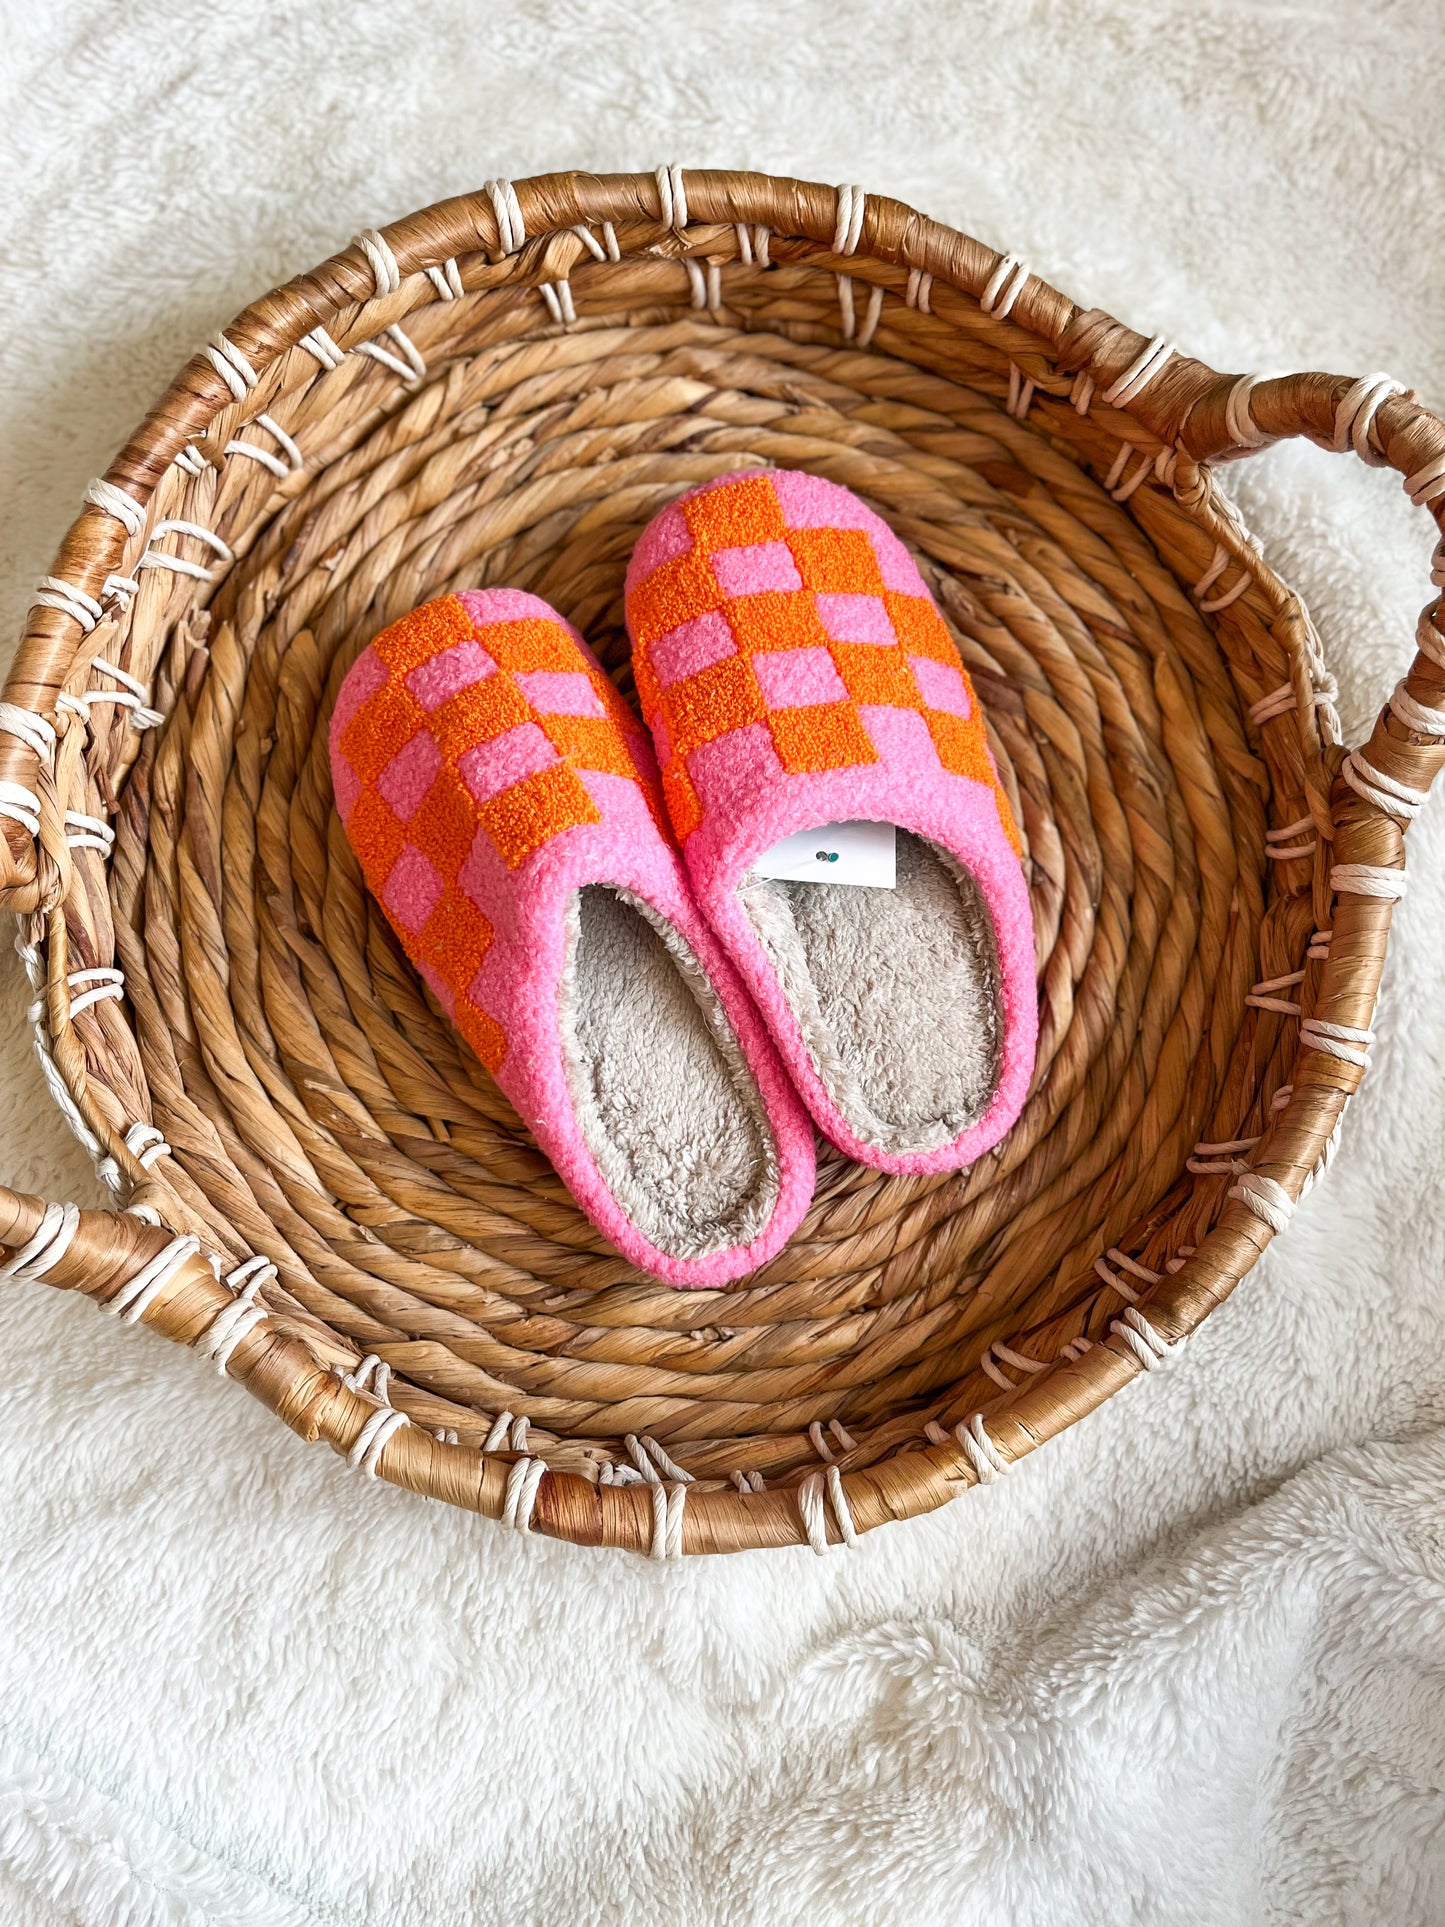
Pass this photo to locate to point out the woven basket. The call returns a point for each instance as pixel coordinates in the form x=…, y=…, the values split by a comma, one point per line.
x=325, y=1194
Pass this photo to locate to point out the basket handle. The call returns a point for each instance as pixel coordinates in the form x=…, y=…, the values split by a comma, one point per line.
x=1374, y=417
x=1380, y=787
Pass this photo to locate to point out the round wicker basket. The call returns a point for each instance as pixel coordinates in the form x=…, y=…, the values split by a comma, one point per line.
x=327, y=1196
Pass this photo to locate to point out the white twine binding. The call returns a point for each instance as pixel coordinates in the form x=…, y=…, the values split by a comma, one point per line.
x=671, y=196
x=240, y=1318
x=114, y=501
x=522, y=1482
x=1268, y=1200
x=371, y=1441
x=1385, y=792
x=982, y=1450
x=410, y=370
x=1140, y=372
x=1141, y=474
x=1004, y=286
x=51, y=592
x=1356, y=413
x=870, y=315
x=231, y=365
x=507, y=1434
x=668, y=1505
x=35, y=731
x=815, y=1494
x=852, y=204
x=1243, y=430
x=919, y=291
x=134, y=1299
x=1263, y=995
x=1113, y=1256
x=1020, y=393
x=1347, y=1042
x=179, y=564
x=511, y=228
x=385, y=271
x=1426, y=484
x=21, y=805
x=1144, y=1340
x=1367, y=880
x=558, y=297
x=1280, y=846
x=146, y=1144
x=1416, y=716
x=447, y=280
x=43, y=1251
x=650, y=1458
x=840, y=1433
x=278, y=466
x=845, y=305
x=999, y=1354
x=94, y=986
x=322, y=348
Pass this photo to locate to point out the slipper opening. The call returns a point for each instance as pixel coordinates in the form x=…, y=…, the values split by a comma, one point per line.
x=897, y=994
x=664, y=1097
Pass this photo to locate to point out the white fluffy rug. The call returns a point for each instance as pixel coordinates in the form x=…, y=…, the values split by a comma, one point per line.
x=1186, y=1666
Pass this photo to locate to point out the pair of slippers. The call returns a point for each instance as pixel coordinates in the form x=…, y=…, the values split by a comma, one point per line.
x=591, y=916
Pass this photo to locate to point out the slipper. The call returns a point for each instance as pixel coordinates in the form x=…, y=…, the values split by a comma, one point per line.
x=796, y=675
x=503, y=802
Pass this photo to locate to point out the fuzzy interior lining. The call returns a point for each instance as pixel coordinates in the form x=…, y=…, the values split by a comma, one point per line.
x=897, y=994
x=664, y=1098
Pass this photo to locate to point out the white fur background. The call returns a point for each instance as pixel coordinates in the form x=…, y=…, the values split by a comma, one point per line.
x=1188, y=1664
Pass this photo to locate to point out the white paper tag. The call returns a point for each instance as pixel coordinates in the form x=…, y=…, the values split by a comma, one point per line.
x=860, y=853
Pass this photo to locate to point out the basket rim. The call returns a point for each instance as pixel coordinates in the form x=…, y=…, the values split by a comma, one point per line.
x=531, y=232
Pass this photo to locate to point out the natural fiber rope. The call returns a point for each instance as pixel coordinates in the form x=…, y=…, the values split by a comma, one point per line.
x=503, y=390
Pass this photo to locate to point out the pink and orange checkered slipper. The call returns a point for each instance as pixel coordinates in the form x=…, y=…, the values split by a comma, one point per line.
x=503, y=802
x=797, y=675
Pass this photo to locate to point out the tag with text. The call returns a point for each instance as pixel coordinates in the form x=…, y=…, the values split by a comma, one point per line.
x=858, y=853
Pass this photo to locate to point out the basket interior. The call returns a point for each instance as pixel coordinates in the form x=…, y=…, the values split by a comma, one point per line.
x=313, y=1104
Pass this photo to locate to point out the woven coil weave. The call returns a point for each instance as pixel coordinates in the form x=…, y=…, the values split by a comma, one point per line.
x=322, y=1191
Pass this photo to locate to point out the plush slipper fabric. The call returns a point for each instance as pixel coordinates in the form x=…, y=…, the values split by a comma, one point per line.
x=503, y=803
x=795, y=672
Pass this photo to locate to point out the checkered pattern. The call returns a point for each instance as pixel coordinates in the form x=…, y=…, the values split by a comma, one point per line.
x=777, y=602
x=460, y=749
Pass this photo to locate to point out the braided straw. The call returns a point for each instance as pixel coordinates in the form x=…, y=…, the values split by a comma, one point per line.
x=258, y=1070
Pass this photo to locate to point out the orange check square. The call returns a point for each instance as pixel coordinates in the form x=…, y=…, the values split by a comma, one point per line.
x=961, y=745
x=456, y=939
x=683, y=804
x=920, y=628
x=680, y=589
x=735, y=517
x=538, y=808
x=529, y=643
x=483, y=1033
x=376, y=834
x=874, y=673
x=385, y=723
x=836, y=561
x=723, y=696
x=590, y=742
x=477, y=713
x=777, y=619
x=446, y=825
x=410, y=642
x=820, y=737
